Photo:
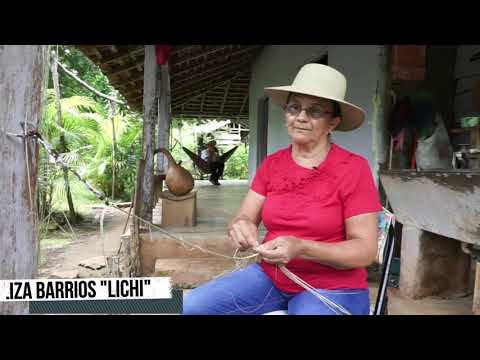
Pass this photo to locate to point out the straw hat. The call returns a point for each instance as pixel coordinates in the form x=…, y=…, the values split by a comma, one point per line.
x=324, y=82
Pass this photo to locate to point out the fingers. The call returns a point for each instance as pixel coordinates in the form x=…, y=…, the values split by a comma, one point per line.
x=273, y=255
x=243, y=234
x=273, y=252
x=275, y=258
x=240, y=238
x=237, y=242
x=269, y=245
x=270, y=254
x=252, y=234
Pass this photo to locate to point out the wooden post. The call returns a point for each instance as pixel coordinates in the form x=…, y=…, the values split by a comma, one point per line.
x=149, y=113
x=23, y=75
x=476, y=294
x=163, y=116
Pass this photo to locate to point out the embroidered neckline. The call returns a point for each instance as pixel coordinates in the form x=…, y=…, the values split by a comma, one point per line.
x=320, y=167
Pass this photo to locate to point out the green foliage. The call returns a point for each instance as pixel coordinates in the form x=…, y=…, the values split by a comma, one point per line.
x=89, y=142
x=87, y=130
x=183, y=134
x=237, y=166
x=79, y=64
x=80, y=128
x=128, y=132
x=186, y=133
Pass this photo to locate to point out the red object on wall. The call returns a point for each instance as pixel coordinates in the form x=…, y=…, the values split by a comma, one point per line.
x=162, y=53
x=408, y=62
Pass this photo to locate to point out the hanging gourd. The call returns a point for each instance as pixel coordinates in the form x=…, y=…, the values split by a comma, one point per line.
x=178, y=180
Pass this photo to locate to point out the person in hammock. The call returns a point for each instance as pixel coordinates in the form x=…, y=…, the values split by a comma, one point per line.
x=319, y=204
x=211, y=156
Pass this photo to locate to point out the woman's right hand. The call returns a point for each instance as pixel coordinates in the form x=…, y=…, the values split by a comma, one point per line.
x=243, y=233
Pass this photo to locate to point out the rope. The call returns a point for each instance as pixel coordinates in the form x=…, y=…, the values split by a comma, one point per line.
x=27, y=163
x=338, y=309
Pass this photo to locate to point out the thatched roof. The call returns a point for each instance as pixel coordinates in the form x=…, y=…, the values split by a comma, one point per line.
x=205, y=80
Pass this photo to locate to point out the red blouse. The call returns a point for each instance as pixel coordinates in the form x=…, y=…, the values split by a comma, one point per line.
x=313, y=204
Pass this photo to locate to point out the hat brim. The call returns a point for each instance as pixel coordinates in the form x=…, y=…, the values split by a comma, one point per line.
x=352, y=115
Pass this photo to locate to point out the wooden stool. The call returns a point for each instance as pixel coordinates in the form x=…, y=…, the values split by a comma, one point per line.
x=179, y=210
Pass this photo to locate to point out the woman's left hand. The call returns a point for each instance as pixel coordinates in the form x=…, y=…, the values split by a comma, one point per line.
x=280, y=250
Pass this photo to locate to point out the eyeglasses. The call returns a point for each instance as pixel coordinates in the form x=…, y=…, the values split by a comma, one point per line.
x=314, y=111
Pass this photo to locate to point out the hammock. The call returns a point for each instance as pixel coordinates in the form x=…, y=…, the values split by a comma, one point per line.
x=202, y=164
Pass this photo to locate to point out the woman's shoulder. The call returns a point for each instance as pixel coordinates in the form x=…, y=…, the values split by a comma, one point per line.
x=279, y=154
x=349, y=158
x=275, y=161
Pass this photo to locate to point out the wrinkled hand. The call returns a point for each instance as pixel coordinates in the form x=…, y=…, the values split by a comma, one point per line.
x=280, y=250
x=243, y=233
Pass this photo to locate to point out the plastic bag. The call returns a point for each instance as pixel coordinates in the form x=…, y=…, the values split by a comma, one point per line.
x=435, y=152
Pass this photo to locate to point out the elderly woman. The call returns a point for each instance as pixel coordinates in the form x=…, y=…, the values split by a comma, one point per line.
x=319, y=205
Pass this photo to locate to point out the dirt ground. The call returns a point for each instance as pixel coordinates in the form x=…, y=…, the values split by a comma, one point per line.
x=62, y=252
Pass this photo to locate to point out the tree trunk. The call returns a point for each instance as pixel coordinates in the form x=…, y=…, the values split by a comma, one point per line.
x=63, y=145
x=23, y=71
x=114, y=144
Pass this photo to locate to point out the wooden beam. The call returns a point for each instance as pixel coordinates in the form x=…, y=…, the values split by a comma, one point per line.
x=243, y=104
x=203, y=99
x=24, y=76
x=225, y=96
x=209, y=50
x=177, y=49
x=207, y=63
x=135, y=94
x=137, y=97
x=126, y=67
x=193, y=114
x=193, y=92
x=121, y=84
x=476, y=291
x=90, y=51
x=200, y=89
x=149, y=114
x=122, y=54
x=224, y=68
x=163, y=117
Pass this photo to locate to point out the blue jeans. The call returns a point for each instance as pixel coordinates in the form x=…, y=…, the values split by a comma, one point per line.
x=250, y=291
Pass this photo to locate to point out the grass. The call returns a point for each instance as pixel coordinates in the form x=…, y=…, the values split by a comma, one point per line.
x=55, y=240
x=58, y=238
x=82, y=204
